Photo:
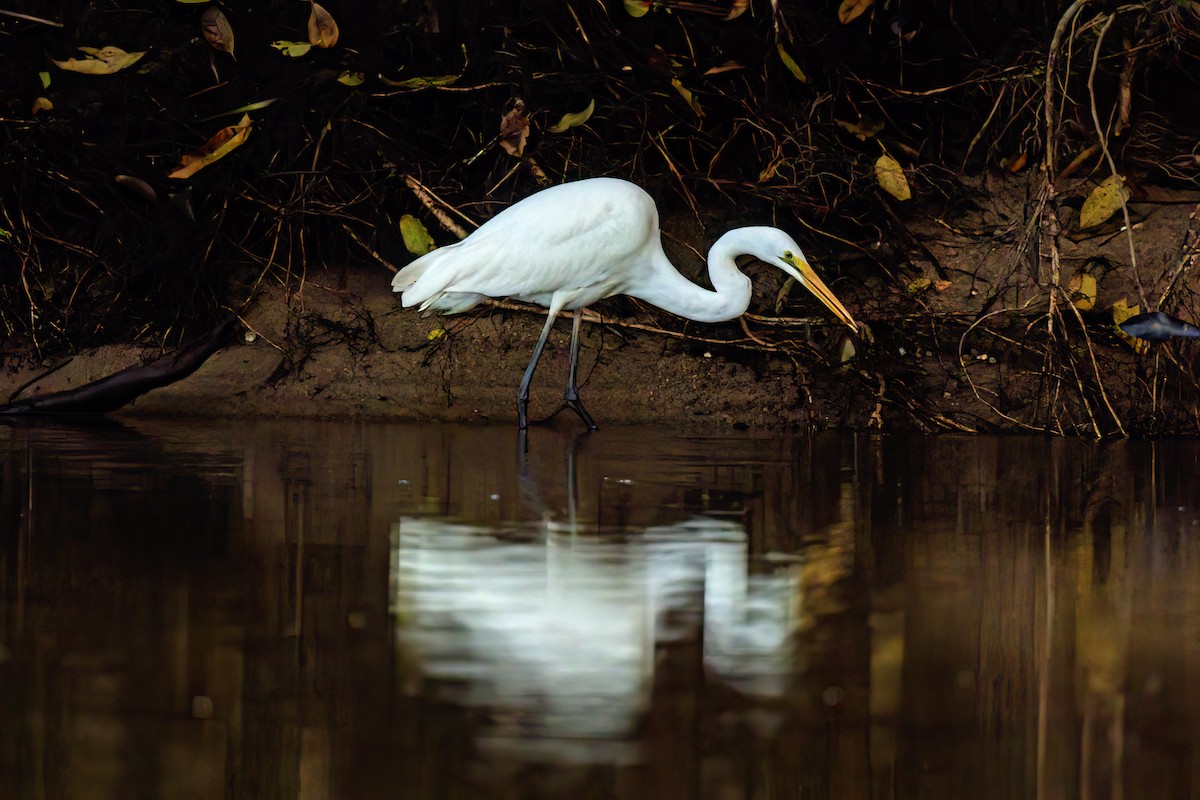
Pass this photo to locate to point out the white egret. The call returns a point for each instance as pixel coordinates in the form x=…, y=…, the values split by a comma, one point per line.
x=571, y=245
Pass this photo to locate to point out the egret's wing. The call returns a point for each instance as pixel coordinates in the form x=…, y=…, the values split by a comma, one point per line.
x=582, y=237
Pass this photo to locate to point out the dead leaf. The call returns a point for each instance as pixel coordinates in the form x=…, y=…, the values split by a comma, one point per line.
x=791, y=64
x=942, y=284
x=217, y=30
x=138, y=185
x=851, y=10
x=864, y=129
x=322, y=29
x=1017, y=163
x=891, y=178
x=100, y=61
x=42, y=104
x=728, y=66
x=220, y=145
x=1122, y=311
x=416, y=236
x=737, y=9
x=514, y=128
x=847, y=351
x=352, y=78
x=1104, y=201
x=687, y=95
x=571, y=120
x=638, y=8
x=292, y=49
x=1083, y=290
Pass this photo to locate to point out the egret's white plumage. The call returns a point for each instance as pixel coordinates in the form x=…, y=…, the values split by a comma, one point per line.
x=570, y=245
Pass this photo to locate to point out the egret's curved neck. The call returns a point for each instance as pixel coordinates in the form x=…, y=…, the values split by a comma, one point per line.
x=670, y=291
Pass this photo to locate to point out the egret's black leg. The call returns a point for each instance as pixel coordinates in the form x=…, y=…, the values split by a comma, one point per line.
x=523, y=391
x=572, y=391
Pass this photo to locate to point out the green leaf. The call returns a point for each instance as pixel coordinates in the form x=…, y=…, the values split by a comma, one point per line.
x=416, y=238
x=791, y=64
x=571, y=120
x=45, y=78
x=293, y=49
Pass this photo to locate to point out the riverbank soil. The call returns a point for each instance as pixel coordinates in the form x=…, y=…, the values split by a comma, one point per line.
x=989, y=188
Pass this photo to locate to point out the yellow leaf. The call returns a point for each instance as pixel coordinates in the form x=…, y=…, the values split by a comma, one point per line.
x=891, y=177
x=217, y=30
x=1083, y=290
x=352, y=78
x=737, y=9
x=687, y=95
x=322, y=30
x=1122, y=311
x=571, y=120
x=42, y=104
x=416, y=238
x=918, y=285
x=637, y=8
x=791, y=64
x=847, y=351
x=220, y=145
x=1104, y=201
x=437, y=333
x=292, y=49
x=851, y=10
x=45, y=79
x=100, y=61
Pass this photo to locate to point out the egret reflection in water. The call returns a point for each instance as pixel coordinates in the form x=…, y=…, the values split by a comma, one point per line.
x=553, y=631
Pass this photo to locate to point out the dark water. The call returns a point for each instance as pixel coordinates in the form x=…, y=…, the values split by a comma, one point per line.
x=310, y=610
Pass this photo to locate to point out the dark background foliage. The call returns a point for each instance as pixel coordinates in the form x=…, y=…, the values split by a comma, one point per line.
x=319, y=185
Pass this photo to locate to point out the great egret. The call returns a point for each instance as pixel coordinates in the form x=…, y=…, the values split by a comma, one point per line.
x=571, y=245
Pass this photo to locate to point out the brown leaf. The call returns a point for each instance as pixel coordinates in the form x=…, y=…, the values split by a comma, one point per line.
x=851, y=10
x=138, y=185
x=737, y=9
x=322, y=30
x=514, y=128
x=222, y=142
x=217, y=30
x=864, y=129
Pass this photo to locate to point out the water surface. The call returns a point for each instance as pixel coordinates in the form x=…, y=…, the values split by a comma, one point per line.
x=319, y=610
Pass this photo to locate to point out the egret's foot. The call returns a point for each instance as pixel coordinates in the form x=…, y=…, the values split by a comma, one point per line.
x=575, y=405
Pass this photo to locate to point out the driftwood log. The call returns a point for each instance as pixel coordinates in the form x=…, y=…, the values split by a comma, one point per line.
x=116, y=390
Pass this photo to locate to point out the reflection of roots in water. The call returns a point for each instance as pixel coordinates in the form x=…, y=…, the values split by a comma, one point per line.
x=555, y=635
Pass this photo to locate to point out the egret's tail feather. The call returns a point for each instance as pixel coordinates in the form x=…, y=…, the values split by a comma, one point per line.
x=452, y=302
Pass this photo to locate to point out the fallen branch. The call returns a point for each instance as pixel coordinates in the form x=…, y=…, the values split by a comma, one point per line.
x=116, y=390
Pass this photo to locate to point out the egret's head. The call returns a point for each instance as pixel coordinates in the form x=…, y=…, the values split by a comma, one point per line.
x=777, y=248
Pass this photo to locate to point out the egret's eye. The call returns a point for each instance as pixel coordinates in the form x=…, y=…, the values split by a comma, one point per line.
x=788, y=255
